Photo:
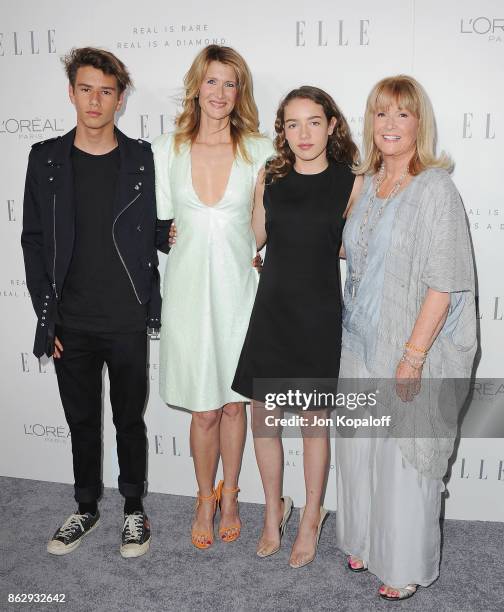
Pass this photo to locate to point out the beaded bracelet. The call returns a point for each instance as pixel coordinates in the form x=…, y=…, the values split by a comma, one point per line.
x=417, y=349
x=417, y=365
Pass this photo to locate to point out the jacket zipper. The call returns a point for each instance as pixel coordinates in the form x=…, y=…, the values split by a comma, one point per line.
x=117, y=248
x=54, y=258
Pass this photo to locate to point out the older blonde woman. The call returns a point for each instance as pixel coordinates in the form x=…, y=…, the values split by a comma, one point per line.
x=409, y=316
x=206, y=173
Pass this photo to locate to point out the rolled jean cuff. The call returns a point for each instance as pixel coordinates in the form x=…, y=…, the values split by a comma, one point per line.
x=89, y=494
x=129, y=489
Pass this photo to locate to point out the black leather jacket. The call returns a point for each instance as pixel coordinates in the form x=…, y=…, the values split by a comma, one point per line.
x=49, y=221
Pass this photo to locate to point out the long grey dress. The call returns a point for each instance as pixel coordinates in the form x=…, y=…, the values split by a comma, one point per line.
x=389, y=488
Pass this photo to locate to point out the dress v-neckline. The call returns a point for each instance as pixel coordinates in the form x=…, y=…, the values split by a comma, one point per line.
x=196, y=195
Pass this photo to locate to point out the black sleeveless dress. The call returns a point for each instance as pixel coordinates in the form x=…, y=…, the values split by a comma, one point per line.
x=295, y=327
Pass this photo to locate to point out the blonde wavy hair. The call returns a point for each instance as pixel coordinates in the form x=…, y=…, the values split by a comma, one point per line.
x=244, y=118
x=408, y=94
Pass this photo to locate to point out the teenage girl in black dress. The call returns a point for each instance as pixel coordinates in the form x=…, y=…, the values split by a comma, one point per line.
x=295, y=327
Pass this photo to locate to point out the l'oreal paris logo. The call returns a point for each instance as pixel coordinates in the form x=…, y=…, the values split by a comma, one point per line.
x=31, y=128
x=46, y=431
x=491, y=27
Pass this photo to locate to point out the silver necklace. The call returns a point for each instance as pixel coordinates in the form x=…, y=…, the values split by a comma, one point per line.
x=363, y=241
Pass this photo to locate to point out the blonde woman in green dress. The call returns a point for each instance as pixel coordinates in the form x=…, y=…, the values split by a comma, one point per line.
x=206, y=173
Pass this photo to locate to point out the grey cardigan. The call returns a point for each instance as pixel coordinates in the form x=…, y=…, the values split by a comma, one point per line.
x=430, y=247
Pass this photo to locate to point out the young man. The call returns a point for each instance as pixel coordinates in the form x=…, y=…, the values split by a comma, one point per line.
x=89, y=245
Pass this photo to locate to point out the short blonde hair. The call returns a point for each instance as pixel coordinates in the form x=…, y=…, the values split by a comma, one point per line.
x=408, y=94
x=244, y=117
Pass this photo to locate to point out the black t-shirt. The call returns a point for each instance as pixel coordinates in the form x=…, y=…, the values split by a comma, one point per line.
x=97, y=295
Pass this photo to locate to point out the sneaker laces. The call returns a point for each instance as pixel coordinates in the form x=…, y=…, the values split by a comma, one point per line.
x=133, y=524
x=69, y=527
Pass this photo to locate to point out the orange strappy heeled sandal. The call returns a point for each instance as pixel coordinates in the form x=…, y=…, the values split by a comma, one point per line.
x=207, y=535
x=230, y=533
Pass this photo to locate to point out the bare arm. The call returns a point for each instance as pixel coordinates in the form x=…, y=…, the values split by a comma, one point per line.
x=356, y=189
x=258, y=212
x=430, y=321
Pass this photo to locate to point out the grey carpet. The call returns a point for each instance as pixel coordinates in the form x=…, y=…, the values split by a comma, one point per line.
x=175, y=576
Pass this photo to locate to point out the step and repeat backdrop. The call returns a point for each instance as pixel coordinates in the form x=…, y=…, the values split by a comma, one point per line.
x=455, y=48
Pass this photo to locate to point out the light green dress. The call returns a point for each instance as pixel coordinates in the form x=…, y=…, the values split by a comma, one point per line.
x=209, y=282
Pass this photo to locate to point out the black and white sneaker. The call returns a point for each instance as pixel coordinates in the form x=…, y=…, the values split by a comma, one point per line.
x=69, y=535
x=136, y=535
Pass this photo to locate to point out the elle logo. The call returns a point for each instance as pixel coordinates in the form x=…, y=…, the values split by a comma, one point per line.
x=481, y=471
x=41, y=365
x=159, y=446
x=496, y=314
x=11, y=213
x=144, y=125
x=484, y=126
x=319, y=34
x=27, y=43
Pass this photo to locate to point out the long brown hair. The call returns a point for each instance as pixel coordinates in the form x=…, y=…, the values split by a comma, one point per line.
x=244, y=118
x=340, y=145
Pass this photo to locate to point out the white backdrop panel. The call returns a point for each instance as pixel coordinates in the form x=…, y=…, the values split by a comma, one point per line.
x=453, y=48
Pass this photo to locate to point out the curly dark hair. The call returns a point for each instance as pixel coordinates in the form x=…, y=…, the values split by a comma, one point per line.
x=103, y=60
x=340, y=145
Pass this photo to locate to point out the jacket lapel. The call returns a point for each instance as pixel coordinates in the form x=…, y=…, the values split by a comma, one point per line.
x=60, y=173
x=60, y=178
x=131, y=170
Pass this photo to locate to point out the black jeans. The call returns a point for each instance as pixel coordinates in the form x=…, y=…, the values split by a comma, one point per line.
x=79, y=373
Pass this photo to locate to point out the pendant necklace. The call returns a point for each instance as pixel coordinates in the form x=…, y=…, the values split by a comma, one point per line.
x=362, y=240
